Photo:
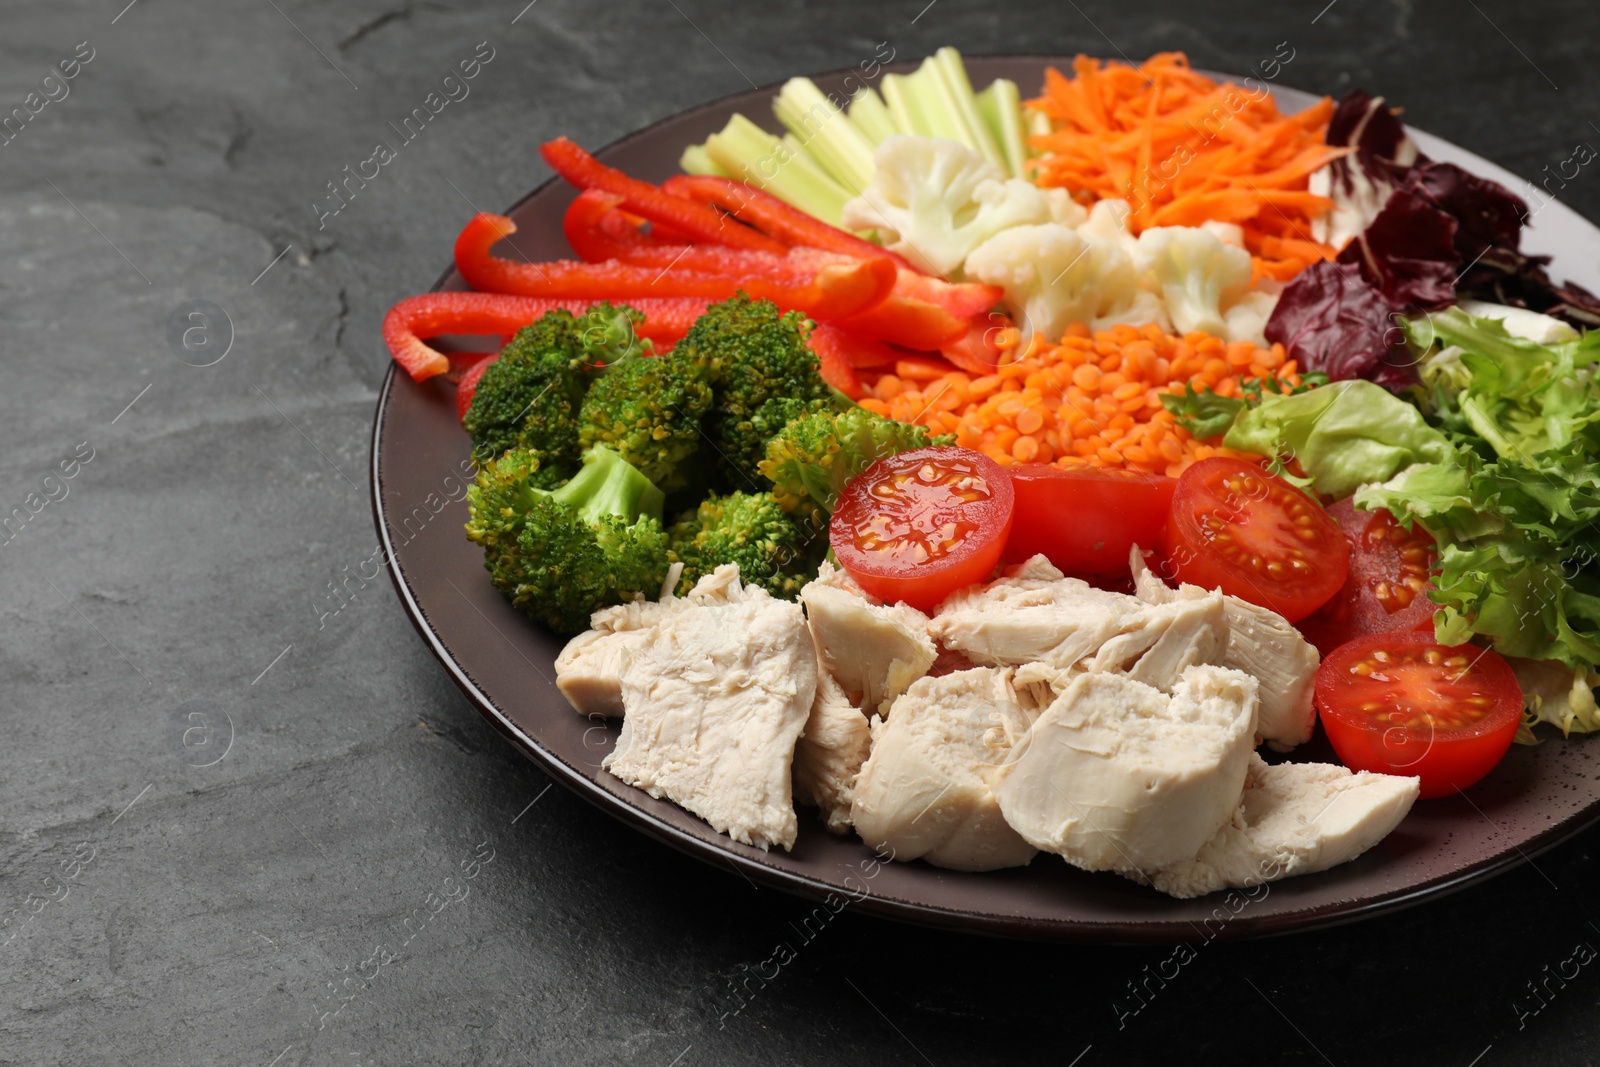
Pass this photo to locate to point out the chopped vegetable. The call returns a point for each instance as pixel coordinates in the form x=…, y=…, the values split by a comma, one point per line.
x=773, y=549
x=1086, y=520
x=693, y=220
x=1399, y=703
x=648, y=409
x=1197, y=275
x=416, y=318
x=1254, y=536
x=562, y=554
x=1095, y=400
x=1054, y=276
x=814, y=457
x=916, y=526
x=1388, y=583
x=934, y=201
x=827, y=154
x=827, y=285
x=530, y=395
x=1205, y=414
x=1184, y=150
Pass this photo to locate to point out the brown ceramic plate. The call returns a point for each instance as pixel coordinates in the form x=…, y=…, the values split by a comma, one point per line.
x=504, y=664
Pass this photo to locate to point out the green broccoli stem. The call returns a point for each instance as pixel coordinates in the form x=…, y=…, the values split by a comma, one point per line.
x=607, y=484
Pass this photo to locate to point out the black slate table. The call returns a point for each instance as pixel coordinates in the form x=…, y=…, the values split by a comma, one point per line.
x=245, y=819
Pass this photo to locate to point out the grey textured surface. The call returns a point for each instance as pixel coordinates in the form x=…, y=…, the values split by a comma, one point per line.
x=357, y=877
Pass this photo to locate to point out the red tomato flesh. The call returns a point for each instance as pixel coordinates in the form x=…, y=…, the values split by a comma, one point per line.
x=1252, y=535
x=1086, y=519
x=1388, y=583
x=917, y=526
x=1398, y=703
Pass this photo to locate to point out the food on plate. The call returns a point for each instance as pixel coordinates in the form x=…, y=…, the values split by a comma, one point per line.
x=1186, y=150
x=828, y=757
x=1236, y=528
x=1262, y=644
x=1294, y=818
x=715, y=699
x=1388, y=582
x=1401, y=703
x=1100, y=400
x=560, y=554
x=919, y=525
x=1085, y=519
x=988, y=475
x=1118, y=776
x=872, y=649
x=927, y=791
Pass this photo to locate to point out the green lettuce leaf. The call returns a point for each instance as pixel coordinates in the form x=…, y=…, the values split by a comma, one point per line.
x=1344, y=435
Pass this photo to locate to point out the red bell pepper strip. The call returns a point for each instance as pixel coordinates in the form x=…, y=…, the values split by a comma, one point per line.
x=467, y=388
x=689, y=217
x=834, y=348
x=961, y=299
x=977, y=353
x=597, y=228
x=824, y=285
x=772, y=216
x=416, y=318
x=908, y=322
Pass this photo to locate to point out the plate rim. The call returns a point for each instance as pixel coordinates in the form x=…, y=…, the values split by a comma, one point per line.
x=1012, y=927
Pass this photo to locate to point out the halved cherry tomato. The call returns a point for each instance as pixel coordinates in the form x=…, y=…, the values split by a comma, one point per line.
x=1399, y=703
x=1086, y=519
x=1237, y=528
x=917, y=526
x=1388, y=583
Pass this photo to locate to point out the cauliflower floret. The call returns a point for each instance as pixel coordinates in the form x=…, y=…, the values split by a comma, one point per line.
x=1108, y=224
x=1246, y=318
x=1196, y=273
x=933, y=201
x=1054, y=276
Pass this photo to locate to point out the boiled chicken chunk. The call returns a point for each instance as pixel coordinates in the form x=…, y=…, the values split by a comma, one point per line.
x=1261, y=643
x=829, y=754
x=875, y=651
x=714, y=701
x=1034, y=614
x=1118, y=776
x=589, y=668
x=1296, y=818
x=925, y=790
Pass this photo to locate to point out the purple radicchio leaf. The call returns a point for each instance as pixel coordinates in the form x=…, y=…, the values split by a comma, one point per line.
x=1331, y=319
x=1409, y=253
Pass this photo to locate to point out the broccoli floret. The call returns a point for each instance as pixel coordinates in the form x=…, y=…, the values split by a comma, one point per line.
x=812, y=458
x=754, y=354
x=531, y=395
x=774, y=548
x=561, y=554
x=649, y=409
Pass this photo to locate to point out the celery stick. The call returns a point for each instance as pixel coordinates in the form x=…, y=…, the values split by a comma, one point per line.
x=1036, y=122
x=1001, y=104
x=826, y=131
x=869, y=112
x=747, y=152
x=899, y=101
x=965, y=105
x=935, y=103
x=695, y=160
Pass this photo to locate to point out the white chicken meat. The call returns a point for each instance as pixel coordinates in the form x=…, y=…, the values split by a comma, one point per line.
x=714, y=702
x=924, y=792
x=1118, y=776
x=875, y=651
x=1295, y=818
x=829, y=754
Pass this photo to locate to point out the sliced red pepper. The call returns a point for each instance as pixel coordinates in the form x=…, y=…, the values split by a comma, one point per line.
x=597, y=228
x=961, y=299
x=416, y=318
x=467, y=388
x=688, y=217
x=773, y=216
x=977, y=352
x=824, y=285
x=908, y=322
x=833, y=348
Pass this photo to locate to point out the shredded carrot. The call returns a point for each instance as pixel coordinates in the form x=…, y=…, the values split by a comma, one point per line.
x=1092, y=399
x=1182, y=149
